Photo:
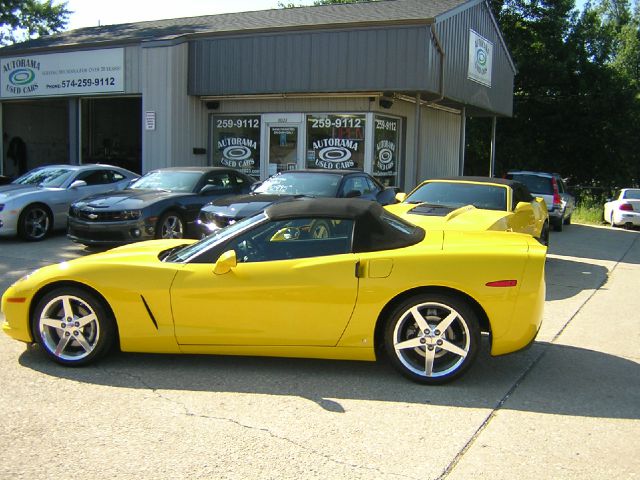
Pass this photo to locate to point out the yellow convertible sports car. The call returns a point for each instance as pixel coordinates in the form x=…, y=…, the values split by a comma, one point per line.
x=271, y=285
x=475, y=203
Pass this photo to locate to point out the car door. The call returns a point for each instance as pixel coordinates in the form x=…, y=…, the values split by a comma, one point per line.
x=283, y=291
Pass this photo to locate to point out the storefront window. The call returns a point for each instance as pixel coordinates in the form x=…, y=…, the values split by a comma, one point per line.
x=236, y=142
x=385, y=160
x=335, y=141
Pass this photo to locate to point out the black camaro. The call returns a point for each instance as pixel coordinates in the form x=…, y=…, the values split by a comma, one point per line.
x=163, y=203
x=291, y=184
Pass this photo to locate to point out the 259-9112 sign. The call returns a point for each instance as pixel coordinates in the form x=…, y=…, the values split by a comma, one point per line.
x=88, y=82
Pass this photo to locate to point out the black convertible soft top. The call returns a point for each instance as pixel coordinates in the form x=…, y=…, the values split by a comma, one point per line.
x=375, y=228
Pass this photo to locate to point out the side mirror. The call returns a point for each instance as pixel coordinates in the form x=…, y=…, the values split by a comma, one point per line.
x=253, y=186
x=523, y=207
x=78, y=183
x=401, y=196
x=352, y=194
x=225, y=262
x=287, y=233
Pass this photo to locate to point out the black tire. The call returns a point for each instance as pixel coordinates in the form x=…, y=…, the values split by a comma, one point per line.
x=431, y=356
x=73, y=326
x=170, y=225
x=567, y=221
x=34, y=223
x=320, y=229
x=557, y=225
x=544, y=235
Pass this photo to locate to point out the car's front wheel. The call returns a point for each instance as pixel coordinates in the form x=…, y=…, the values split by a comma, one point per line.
x=73, y=326
x=170, y=226
x=432, y=338
x=34, y=223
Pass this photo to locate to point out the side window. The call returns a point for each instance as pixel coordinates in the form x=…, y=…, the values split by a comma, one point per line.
x=220, y=180
x=355, y=183
x=372, y=185
x=291, y=239
x=95, y=177
x=115, y=176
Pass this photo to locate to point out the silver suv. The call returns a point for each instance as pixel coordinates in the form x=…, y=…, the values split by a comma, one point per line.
x=552, y=188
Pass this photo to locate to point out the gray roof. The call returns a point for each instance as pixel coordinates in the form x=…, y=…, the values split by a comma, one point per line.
x=323, y=16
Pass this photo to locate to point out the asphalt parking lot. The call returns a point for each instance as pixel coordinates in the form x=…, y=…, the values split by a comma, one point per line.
x=569, y=407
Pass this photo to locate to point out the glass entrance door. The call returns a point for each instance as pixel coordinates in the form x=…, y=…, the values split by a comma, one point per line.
x=283, y=148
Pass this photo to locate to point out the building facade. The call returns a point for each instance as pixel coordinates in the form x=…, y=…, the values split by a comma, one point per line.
x=384, y=87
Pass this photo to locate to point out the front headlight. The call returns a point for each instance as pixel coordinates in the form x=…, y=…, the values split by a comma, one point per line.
x=131, y=214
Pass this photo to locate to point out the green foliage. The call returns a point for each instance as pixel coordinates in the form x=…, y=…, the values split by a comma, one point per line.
x=25, y=19
x=576, y=94
x=590, y=207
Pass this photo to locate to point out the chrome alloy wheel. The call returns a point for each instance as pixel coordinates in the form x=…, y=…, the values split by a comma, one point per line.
x=431, y=340
x=69, y=328
x=35, y=223
x=171, y=227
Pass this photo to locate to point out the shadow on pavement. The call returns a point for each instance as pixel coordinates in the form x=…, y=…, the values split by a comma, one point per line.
x=595, y=243
x=565, y=278
x=581, y=383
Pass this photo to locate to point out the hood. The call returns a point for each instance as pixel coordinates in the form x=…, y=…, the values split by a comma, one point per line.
x=238, y=207
x=447, y=218
x=12, y=191
x=128, y=199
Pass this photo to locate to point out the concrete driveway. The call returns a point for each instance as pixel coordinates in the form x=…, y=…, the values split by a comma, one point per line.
x=569, y=407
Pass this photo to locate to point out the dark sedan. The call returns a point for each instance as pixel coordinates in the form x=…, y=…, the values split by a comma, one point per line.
x=291, y=184
x=163, y=203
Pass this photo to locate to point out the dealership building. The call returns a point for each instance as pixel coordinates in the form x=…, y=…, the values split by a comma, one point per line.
x=384, y=87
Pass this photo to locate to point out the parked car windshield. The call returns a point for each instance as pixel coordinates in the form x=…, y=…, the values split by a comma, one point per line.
x=52, y=177
x=185, y=253
x=455, y=195
x=301, y=183
x=170, y=180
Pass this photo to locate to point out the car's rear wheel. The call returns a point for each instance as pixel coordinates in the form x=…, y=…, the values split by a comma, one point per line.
x=170, y=225
x=73, y=326
x=34, y=223
x=557, y=225
x=544, y=235
x=432, y=338
x=567, y=221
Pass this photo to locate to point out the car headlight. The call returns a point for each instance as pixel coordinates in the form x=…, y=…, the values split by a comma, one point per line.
x=131, y=214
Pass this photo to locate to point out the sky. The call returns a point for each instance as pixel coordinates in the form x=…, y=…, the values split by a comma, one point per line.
x=91, y=13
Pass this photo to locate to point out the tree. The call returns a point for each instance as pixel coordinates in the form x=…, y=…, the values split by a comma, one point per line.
x=25, y=19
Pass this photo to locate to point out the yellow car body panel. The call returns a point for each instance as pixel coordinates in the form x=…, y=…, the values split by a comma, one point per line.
x=319, y=307
x=526, y=218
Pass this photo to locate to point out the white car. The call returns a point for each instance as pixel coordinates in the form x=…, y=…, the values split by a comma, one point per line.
x=624, y=209
x=38, y=201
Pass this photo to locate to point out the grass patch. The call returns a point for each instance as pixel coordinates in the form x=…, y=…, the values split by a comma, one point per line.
x=589, y=210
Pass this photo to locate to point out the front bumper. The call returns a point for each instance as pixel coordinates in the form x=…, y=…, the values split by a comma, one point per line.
x=112, y=233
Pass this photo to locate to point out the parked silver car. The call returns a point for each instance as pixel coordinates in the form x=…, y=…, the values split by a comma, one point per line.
x=38, y=201
x=553, y=189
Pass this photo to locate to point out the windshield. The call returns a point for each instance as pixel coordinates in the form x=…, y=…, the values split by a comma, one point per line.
x=632, y=194
x=455, y=195
x=52, y=177
x=170, y=180
x=535, y=183
x=215, y=238
x=301, y=183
